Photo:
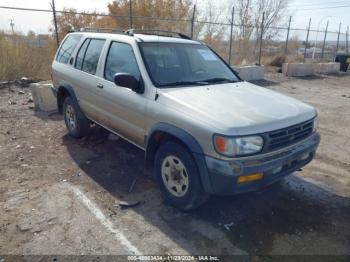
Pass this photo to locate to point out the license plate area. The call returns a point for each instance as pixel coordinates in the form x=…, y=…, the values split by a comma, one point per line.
x=291, y=164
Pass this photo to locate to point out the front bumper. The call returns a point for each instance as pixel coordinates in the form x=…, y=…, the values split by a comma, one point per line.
x=223, y=175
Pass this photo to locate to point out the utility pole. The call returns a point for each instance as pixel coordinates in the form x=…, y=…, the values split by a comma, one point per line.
x=261, y=36
x=287, y=39
x=55, y=22
x=347, y=40
x=12, y=24
x=192, y=21
x=130, y=14
x=324, y=40
x=336, y=50
x=307, y=39
x=318, y=28
x=231, y=35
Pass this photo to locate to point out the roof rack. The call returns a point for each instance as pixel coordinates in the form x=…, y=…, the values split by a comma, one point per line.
x=131, y=32
x=157, y=32
x=101, y=30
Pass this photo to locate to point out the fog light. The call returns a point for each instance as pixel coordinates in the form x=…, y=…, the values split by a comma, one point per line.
x=250, y=178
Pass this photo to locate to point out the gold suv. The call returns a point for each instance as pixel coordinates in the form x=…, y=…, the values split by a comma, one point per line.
x=204, y=130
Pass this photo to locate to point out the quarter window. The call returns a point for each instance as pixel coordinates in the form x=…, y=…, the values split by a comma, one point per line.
x=121, y=59
x=67, y=48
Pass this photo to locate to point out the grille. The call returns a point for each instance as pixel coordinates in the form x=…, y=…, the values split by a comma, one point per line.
x=288, y=136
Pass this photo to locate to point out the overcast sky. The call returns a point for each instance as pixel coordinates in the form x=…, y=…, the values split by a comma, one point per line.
x=301, y=10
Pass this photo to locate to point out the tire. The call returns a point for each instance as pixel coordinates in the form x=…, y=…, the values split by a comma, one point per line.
x=77, y=124
x=180, y=186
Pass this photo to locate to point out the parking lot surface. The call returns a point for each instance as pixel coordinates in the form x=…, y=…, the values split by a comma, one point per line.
x=59, y=195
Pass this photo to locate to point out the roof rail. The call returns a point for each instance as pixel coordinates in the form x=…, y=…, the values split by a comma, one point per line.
x=131, y=32
x=157, y=32
x=101, y=30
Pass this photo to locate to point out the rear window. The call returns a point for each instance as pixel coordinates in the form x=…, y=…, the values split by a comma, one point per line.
x=67, y=48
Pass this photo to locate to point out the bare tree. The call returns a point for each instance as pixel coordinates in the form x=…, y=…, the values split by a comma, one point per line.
x=274, y=11
x=248, y=16
x=244, y=9
x=213, y=31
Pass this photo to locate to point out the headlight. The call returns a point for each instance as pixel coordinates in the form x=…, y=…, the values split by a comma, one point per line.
x=237, y=146
x=315, y=124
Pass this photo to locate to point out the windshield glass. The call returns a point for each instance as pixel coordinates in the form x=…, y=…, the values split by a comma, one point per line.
x=178, y=64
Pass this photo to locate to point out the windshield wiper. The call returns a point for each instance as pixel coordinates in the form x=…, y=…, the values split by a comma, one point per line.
x=217, y=80
x=183, y=83
x=201, y=82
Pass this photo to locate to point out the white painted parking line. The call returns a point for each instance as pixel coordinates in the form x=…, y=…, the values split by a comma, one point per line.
x=93, y=208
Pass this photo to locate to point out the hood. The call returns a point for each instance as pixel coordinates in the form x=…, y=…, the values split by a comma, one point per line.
x=237, y=108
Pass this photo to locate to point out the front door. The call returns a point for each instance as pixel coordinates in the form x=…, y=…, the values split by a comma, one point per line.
x=124, y=110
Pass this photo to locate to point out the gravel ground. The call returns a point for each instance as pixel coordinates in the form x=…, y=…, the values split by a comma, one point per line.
x=61, y=196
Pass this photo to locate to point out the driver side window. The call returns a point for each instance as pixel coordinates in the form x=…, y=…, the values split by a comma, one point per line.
x=120, y=59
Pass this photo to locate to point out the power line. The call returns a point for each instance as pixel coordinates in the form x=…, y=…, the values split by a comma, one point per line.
x=136, y=17
x=93, y=14
x=148, y=18
x=321, y=8
x=319, y=4
x=25, y=9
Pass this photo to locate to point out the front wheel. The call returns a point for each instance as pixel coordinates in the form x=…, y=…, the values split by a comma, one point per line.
x=178, y=177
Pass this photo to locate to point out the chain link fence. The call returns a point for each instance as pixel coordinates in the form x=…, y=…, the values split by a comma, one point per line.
x=31, y=55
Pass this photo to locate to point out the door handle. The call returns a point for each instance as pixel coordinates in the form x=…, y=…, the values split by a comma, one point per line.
x=100, y=86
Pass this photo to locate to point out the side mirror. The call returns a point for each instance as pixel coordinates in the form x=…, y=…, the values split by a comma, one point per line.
x=129, y=81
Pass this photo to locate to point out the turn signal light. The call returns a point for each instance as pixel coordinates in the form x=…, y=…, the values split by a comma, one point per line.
x=250, y=178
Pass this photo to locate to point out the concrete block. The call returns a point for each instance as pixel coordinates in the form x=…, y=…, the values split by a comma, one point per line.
x=43, y=97
x=251, y=72
x=327, y=68
x=298, y=69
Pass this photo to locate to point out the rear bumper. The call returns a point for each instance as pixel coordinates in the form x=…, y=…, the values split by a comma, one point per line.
x=223, y=175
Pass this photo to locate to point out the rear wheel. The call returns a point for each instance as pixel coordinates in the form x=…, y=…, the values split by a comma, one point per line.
x=178, y=177
x=77, y=124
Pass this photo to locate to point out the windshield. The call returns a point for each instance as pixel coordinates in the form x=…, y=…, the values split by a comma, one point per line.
x=178, y=64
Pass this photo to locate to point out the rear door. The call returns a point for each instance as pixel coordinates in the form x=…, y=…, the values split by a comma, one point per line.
x=84, y=79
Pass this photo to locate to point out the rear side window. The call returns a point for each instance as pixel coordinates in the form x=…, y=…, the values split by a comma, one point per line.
x=67, y=48
x=121, y=59
x=92, y=55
